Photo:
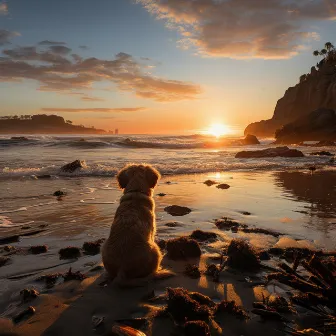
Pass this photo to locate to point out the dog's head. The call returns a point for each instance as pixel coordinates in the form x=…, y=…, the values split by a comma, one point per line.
x=138, y=177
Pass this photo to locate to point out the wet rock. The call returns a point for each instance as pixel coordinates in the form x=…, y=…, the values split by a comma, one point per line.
x=242, y=256
x=30, y=311
x=279, y=303
x=73, y=166
x=183, y=248
x=245, y=213
x=203, y=235
x=161, y=243
x=25, y=227
x=176, y=210
x=192, y=271
x=44, y=176
x=230, y=307
x=264, y=255
x=4, y=261
x=196, y=328
x=173, y=224
x=19, y=138
x=223, y=186
x=183, y=308
x=59, y=193
x=226, y=223
x=68, y=276
x=162, y=194
x=322, y=153
x=277, y=251
x=38, y=249
x=270, y=152
x=29, y=294
x=9, y=248
x=93, y=247
x=49, y=279
x=209, y=183
x=69, y=252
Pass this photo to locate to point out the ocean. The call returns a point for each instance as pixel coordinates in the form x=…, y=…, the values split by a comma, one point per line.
x=171, y=155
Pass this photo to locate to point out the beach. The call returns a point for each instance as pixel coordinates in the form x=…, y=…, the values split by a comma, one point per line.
x=280, y=195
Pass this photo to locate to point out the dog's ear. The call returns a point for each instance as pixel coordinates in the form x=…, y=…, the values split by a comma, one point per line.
x=123, y=178
x=152, y=176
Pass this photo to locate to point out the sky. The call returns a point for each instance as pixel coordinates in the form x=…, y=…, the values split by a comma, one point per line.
x=157, y=66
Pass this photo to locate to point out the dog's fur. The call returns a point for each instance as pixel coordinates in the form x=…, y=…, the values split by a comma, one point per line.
x=130, y=251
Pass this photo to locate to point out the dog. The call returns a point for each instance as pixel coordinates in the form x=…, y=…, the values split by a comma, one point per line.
x=130, y=252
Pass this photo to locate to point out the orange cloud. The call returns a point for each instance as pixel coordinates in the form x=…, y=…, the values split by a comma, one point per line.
x=58, y=70
x=242, y=28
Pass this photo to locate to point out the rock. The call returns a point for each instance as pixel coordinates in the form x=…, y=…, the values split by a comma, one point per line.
x=261, y=231
x=226, y=223
x=44, y=176
x=174, y=224
x=38, y=249
x=49, y=279
x=230, y=307
x=270, y=152
x=192, y=271
x=4, y=261
x=69, y=252
x=29, y=294
x=73, y=166
x=316, y=91
x=317, y=125
x=251, y=140
x=93, y=247
x=203, y=235
x=209, y=183
x=183, y=308
x=322, y=153
x=68, y=276
x=24, y=314
x=162, y=194
x=223, y=186
x=176, y=210
x=242, y=256
x=182, y=248
x=59, y=193
x=196, y=328
x=264, y=255
x=9, y=248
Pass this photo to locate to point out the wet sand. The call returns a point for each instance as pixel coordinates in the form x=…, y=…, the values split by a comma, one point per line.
x=297, y=204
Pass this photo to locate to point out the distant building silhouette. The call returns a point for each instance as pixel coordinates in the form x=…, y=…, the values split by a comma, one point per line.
x=116, y=131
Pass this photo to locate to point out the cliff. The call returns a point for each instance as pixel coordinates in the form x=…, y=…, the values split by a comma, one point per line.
x=315, y=90
x=317, y=125
x=43, y=124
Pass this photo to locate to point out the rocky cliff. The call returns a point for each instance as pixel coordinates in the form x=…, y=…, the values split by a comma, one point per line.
x=315, y=90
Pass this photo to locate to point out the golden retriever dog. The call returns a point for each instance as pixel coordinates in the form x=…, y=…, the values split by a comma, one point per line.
x=130, y=251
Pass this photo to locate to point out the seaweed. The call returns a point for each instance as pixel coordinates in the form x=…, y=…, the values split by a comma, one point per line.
x=183, y=248
x=68, y=276
x=196, y=328
x=38, y=249
x=69, y=252
x=230, y=307
x=203, y=235
x=192, y=271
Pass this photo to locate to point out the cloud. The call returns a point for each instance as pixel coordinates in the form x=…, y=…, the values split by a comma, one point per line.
x=89, y=98
x=93, y=110
x=51, y=43
x=59, y=49
x=243, y=28
x=84, y=47
x=60, y=72
x=3, y=8
x=6, y=36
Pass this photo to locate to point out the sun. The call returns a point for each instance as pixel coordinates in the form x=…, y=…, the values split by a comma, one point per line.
x=218, y=130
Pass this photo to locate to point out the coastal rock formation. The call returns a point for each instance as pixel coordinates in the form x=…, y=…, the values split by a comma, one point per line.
x=319, y=124
x=270, y=152
x=71, y=167
x=315, y=90
x=251, y=140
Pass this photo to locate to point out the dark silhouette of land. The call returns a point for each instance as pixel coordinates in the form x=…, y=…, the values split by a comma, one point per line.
x=43, y=124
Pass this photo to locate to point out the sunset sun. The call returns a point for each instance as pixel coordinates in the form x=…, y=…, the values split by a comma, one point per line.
x=218, y=130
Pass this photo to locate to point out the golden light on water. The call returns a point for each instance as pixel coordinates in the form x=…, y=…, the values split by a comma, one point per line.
x=218, y=130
